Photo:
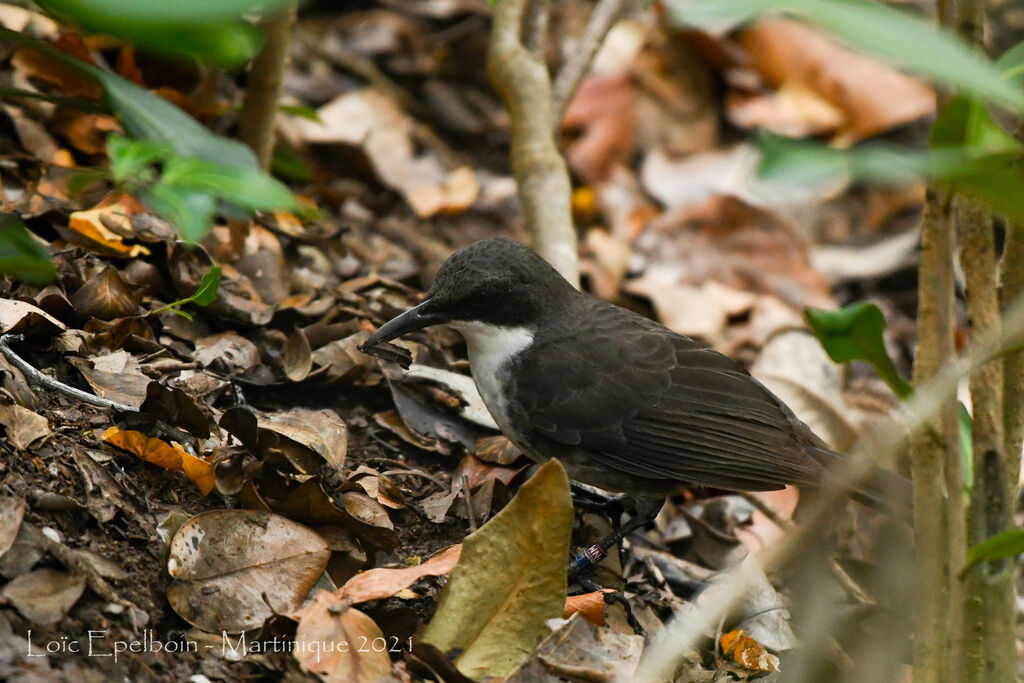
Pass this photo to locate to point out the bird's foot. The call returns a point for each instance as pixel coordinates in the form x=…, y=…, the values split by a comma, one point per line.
x=595, y=552
x=594, y=500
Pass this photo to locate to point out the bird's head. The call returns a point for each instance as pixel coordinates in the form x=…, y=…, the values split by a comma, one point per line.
x=495, y=282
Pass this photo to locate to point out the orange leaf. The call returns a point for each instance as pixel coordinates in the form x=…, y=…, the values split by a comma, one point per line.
x=590, y=605
x=89, y=227
x=376, y=584
x=170, y=456
x=747, y=653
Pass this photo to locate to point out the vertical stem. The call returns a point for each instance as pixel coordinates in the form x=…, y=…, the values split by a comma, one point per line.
x=258, y=118
x=520, y=75
x=1012, y=287
x=931, y=447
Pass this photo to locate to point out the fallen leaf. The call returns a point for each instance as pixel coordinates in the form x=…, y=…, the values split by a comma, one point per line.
x=747, y=653
x=23, y=426
x=497, y=450
x=44, y=596
x=339, y=643
x=12, y=511
x=228, y=350
x=87, y=228
x=116, y=376
x=105, y=296
x=511, y=578
x=590, y=606
x=22, y=317
x=321, y=431
x=376, y=584
x=236, y=568
x=580, y=651
x=170, y=456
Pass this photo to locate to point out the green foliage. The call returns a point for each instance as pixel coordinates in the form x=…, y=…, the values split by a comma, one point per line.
x=20, y=256
x=889, y=34
x=210, y=32
x=187, y=190
x=287, y=164
x=1006, y=544
x=203, y=296
x=854, y=332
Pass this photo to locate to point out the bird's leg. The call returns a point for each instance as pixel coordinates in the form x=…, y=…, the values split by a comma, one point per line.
x=597, y=551
x=593, y=499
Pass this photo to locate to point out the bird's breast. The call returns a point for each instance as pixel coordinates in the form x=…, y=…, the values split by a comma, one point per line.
x=492, y=350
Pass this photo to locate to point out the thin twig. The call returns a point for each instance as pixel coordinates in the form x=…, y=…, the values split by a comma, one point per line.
x=578, y=62
x=36, y=377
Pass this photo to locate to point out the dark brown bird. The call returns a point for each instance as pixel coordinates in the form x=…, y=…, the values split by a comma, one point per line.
x=624, y=403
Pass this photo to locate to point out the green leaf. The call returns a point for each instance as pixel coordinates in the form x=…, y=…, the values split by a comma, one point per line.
x=20, y=256
x=212, y=32
x=1006, y=544
x=190, y=212
x=854, y=332
x=288, y=164
x=134, y=159
x=250, y=189
x=966, y=431
x=967, y=122
x=1011, y=63
x=894, y=36
x=207, y=292
x=301, y=110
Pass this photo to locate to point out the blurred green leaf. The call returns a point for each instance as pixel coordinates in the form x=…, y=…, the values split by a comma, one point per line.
x=134, y=159
x=250, y=189
x=301, y=110
x=210, y=32
x=1011, y=63
x=191, y=212
x=20, y=256
x=289, y=165
x=967, y=122
x=854, y=332
x=894, y=36
x=966, y=430
x=207, y=292
x=1006, y=544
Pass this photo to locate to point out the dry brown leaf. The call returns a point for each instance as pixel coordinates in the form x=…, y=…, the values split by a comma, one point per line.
x=23, y=426
x=105, y=296
x=12, y=512
x=380, y=583
x=44, y=596
x=22, y=317
x=236, y=568
x=874, y=96
x=339, y=643
x=373, y=122
x=170, y=456
x=116, y=376
x=743, y=651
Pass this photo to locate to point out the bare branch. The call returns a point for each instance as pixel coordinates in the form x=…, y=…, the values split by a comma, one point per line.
x=575, y=68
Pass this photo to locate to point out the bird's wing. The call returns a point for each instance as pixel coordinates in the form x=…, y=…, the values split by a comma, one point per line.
x=643, y=400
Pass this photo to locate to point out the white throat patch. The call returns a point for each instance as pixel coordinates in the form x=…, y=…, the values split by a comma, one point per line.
x=491, y=347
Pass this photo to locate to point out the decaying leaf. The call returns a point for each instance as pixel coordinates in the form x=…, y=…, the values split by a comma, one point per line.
x=578, y=651
x=23, y=426
x=170, y=456
x=339, y=643
x=589, y=605
x=12, y=511
x=376, y=584
x=105, y=296
x=235, y=568
x=745, y=652
x=22, y=317
x=511, y=578
x=89, y=229
x=44, y=596
x=116, y=376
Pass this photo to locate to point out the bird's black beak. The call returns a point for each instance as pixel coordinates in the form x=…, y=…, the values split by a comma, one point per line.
x=416, y=318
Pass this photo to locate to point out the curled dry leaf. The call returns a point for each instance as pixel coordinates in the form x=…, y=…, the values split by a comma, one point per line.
x=382, y=582
x=511, y=578
x=497, y=450
x=339, y=643
x=321, y=431
x=235, y=568
x=170, y=456
x=174, y=406
x=589, y=605
x=580, y=651
x=44, y=596
x=23, y=426
x=20, y=317
x=105, y=296
x=88, y=229
x=746, y=653
x=116, y=376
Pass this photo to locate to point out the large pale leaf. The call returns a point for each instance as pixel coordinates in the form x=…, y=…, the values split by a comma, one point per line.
x=897, y=37
x=510, y=579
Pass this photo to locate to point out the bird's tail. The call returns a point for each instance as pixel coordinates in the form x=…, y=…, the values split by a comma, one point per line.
x=881, y=489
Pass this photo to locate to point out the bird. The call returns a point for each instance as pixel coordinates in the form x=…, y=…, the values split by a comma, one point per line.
x=624, y=403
